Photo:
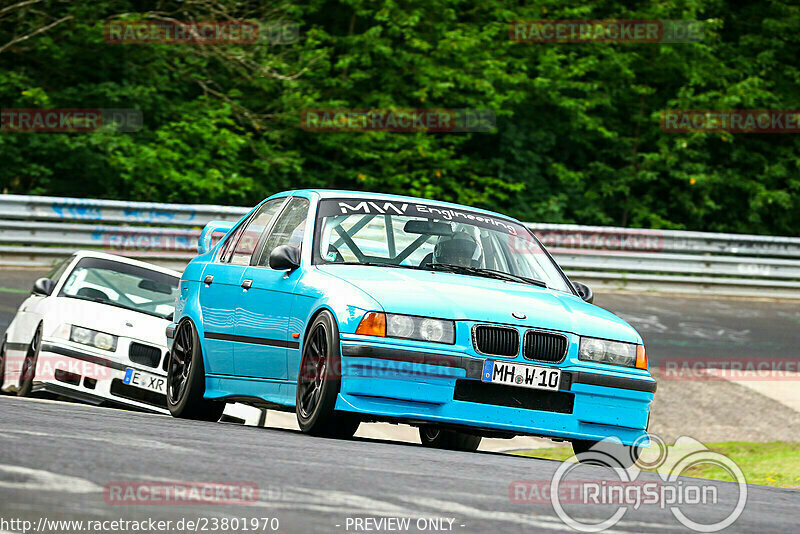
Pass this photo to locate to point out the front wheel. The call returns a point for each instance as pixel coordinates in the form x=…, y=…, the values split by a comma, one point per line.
x=186, y=378
x=433, y=436
x=318, y=383
x=29, y=364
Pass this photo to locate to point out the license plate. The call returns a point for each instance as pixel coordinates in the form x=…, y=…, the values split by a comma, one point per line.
x=520, y=374
x=147, y=381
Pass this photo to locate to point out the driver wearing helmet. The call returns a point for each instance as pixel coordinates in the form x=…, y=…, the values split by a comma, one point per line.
x=459, y=248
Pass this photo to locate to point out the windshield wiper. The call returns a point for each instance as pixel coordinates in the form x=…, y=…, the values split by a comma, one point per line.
x=376, y=264
x=490, y=273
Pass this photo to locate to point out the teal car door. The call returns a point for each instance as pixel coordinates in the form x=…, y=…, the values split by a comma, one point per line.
x=221, y=288
x=262, y=318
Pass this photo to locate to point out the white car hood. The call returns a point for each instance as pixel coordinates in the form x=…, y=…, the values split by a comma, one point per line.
x=109, y=319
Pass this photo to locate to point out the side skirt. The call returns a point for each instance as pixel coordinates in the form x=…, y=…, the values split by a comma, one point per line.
x=261, y=392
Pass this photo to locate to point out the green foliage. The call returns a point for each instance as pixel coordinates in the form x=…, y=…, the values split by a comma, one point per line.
x=577, y=138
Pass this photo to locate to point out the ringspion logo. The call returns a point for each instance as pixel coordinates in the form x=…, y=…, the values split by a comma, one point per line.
x=688, y=499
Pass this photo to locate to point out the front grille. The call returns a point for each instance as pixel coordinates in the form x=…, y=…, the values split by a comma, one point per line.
x=144, y=354
x=513, y=397
x=496, y=340
x=544, y=346
x=121, y=389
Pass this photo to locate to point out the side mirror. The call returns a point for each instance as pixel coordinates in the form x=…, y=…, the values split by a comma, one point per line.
x=43, y=287
x=284, y=257
x=584, y=291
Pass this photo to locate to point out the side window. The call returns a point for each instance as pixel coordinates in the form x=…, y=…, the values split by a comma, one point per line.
x=252, y=230
x=227, y=246
x=289, y=229
x=59, y=269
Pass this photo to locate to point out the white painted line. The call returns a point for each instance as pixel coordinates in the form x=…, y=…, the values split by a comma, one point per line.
x=26, y=478
x=531, y=519
x=121, y=441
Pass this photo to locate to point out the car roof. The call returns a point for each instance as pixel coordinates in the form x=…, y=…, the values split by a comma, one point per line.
x=334, y=193
x=122, y=259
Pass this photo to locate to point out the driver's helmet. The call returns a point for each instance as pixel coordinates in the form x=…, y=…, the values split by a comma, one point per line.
x=459, y=248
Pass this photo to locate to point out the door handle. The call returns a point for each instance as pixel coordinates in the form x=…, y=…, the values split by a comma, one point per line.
x=247, y=284
x=209, y=279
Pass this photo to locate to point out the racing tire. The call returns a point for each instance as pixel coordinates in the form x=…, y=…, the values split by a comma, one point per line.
x=28, y=371
x=2, y=365
x=186, y=378
x=318, y=383
x=435, y=437
x=607, y=454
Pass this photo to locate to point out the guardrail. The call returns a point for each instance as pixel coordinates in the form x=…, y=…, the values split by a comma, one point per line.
x=112, y=211
x=35, y=231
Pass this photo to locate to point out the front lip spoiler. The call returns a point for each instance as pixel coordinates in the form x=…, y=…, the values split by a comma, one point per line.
x=94, y=400
x=474, y=367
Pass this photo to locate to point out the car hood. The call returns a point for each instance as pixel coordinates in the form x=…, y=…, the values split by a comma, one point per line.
x=110, y=319
x=472, y=298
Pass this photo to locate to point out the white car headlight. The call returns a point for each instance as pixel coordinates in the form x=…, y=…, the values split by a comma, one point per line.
x=93, y=338
x=612, y=352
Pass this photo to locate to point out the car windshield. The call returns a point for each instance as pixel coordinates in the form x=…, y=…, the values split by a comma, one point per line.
x=122, y=285
x=421, y=236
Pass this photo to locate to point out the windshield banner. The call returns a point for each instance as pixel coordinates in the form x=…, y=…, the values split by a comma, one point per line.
x=365, y=206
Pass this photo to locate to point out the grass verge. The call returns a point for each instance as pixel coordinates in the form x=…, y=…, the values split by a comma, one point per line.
x=769, y=464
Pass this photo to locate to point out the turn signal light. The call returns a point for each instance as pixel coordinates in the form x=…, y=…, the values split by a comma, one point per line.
x=641, y=357
x=373, y=324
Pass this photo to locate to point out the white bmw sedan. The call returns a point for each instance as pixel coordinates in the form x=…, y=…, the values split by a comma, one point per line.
x=93, y=330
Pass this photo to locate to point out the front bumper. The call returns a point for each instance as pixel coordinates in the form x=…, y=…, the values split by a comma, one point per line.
x=87, y=377
x=395, y=383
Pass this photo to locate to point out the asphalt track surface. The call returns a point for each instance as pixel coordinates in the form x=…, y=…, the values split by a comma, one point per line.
x=57, y=458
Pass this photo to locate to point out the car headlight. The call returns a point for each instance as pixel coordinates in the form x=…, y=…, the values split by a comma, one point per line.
x=612, y=352
x=93, y=338
x=408, y=327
